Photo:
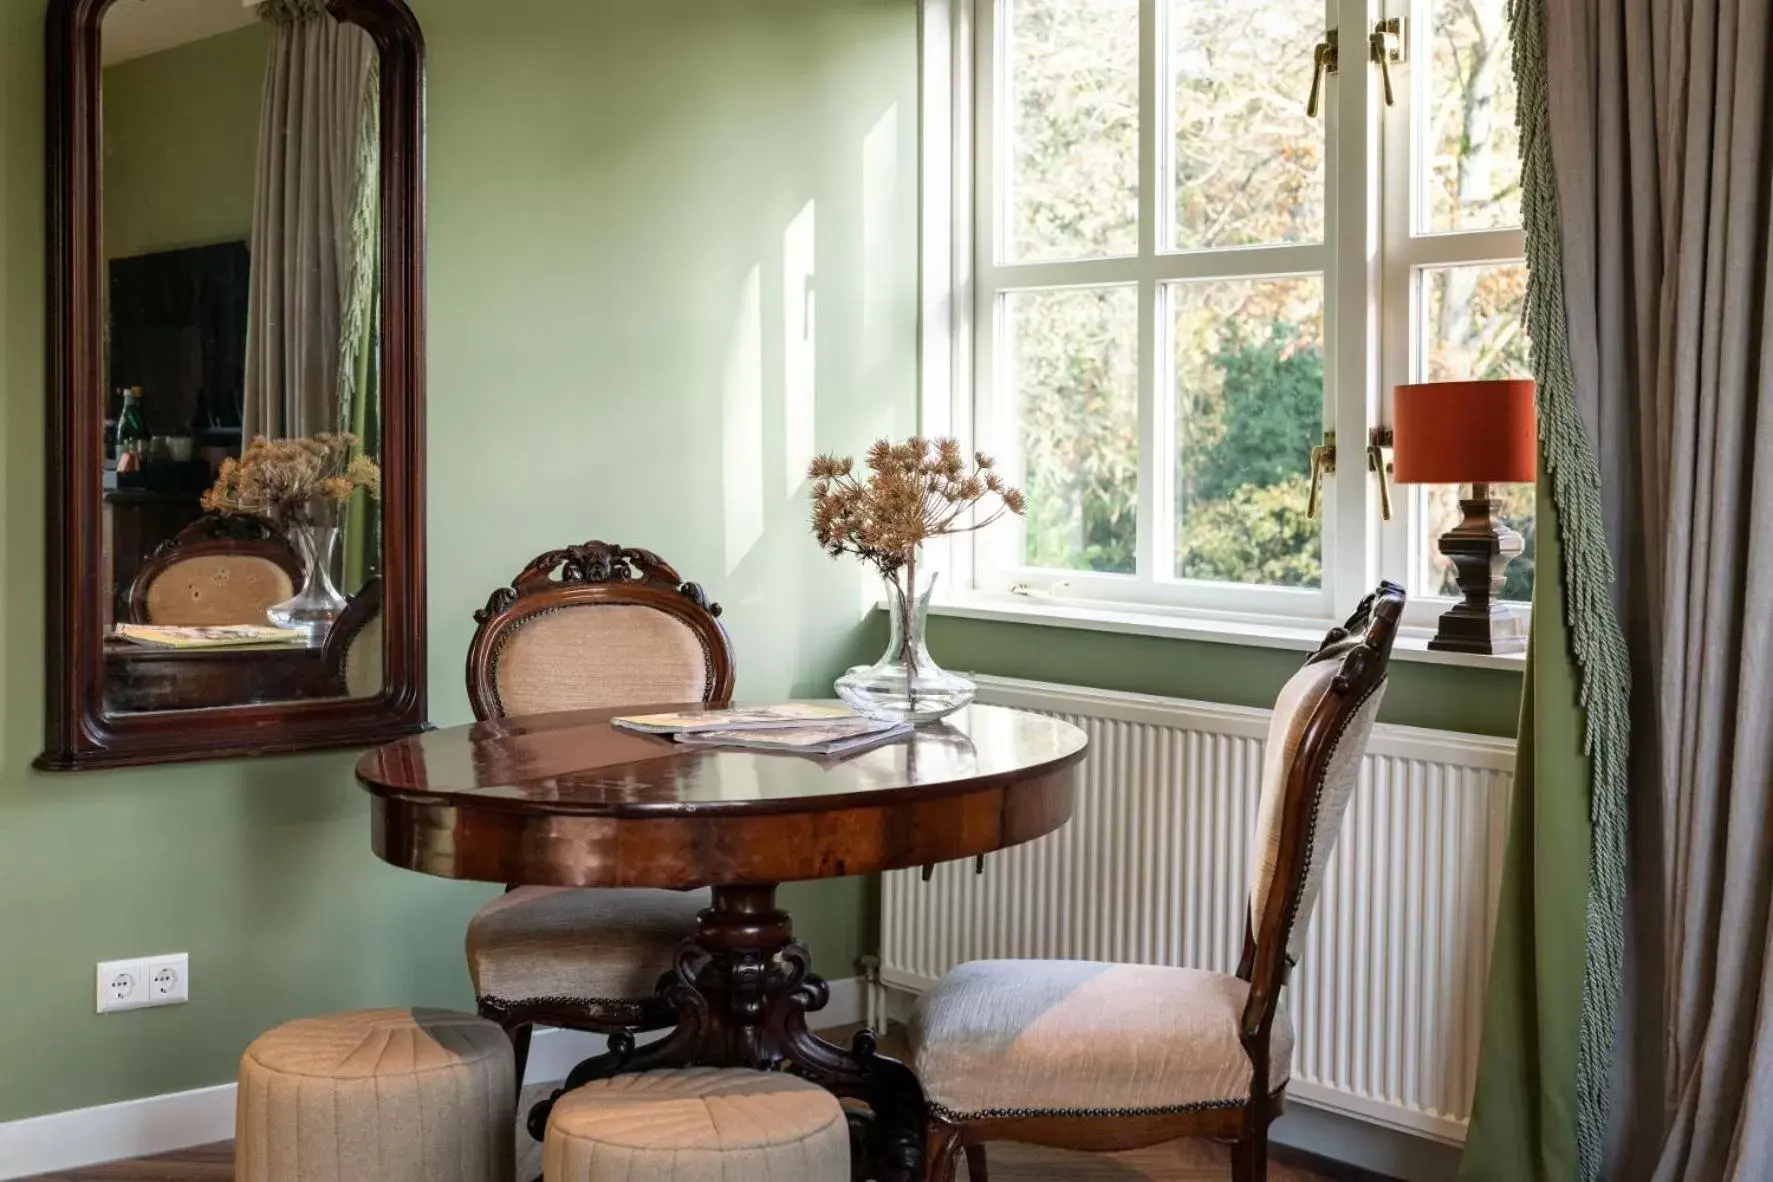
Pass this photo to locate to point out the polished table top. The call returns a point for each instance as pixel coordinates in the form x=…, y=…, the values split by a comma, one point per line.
x=569, y=800
x=579, y=763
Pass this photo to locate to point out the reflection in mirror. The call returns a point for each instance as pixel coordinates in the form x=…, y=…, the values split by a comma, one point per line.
x=242, y=371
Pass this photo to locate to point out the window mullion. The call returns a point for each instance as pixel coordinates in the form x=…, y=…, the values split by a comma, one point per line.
x=1351, y=522
x=1156, y=537
x=1398, y=278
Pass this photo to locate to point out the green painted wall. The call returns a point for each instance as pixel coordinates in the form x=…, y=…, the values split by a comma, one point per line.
x=612, y=189
x=181, y=144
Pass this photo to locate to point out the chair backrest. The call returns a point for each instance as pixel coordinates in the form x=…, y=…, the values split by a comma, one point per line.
x=217, y=570
x=1316, y=739
x=354, y=645
x=597, y=626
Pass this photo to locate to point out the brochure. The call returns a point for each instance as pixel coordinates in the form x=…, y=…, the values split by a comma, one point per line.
x=736, y=718
x=831, y=738
x=208, y=636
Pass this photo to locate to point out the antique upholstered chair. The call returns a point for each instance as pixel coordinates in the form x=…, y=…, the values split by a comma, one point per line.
x=588, y=627
x=1103, y=1057
x=217, y=570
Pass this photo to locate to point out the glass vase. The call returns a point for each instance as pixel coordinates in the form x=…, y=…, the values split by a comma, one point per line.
x=312, y=610
x=905, y=684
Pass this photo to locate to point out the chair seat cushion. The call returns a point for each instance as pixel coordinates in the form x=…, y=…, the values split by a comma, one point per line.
x=383, y=1095
x=1033, y=1037
x=721, y=1125
x=578, y=945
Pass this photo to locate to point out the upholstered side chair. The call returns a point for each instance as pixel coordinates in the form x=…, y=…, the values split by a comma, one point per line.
x=217, y=570
x=588, y=627
x=1105, y=1057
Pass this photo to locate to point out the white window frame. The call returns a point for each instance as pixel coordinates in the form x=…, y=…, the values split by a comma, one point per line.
x=1409, y=248
x=1370, y=250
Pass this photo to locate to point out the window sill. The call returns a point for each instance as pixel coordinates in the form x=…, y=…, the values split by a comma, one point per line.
x=1305, y=636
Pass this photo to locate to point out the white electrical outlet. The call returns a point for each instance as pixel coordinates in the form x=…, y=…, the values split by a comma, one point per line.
x=138, y=984
x=168, y=979
x=119, y=985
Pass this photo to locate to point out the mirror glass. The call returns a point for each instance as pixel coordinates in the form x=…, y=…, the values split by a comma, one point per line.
x=241, y=373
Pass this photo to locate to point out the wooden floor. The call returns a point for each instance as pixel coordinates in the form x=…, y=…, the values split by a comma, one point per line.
x=1179, y=1162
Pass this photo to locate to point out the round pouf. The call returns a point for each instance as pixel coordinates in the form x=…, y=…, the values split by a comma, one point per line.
x=378, y=1096
x=699, y=1125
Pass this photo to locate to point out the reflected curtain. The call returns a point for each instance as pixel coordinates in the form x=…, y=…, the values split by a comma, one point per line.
x=313, y=234
x=1647, y=189
x=360, y=378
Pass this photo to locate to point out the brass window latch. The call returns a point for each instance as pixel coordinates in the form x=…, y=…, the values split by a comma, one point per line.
x=1378, y=444
x=1323, y=61
x=1386, y=48
x=1323, y=463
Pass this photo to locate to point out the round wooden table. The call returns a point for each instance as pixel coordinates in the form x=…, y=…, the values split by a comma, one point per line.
x=569, y=800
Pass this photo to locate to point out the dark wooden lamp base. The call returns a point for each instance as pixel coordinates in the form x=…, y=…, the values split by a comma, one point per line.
x=1480, y=547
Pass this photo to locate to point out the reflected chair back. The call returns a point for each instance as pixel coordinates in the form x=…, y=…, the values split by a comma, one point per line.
x=354, y=645
x=217, y=570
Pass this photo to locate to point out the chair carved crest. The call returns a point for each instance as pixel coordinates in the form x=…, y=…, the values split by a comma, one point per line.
x=1356, y=643
x=591, y=564
x=593, y=574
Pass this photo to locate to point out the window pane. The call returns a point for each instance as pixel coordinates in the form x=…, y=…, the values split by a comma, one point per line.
x=1472, y=328
x=1075, y=362
x=1072, y=99
x=1473, y=148
x=1250, y=404
x=1249, y=162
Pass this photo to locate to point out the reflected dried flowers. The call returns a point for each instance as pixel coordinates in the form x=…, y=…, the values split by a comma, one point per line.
x=293, y=481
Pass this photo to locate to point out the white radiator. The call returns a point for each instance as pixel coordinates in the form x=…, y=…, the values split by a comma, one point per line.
x=1153, y=868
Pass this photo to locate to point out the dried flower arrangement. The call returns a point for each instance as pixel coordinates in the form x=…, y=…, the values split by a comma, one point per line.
x=912, y=492
x=290, y=481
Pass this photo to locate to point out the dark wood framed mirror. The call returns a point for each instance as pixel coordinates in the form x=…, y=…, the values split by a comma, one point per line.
x=236, y=253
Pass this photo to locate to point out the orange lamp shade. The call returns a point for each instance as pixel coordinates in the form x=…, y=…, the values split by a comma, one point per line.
x=1465, y=433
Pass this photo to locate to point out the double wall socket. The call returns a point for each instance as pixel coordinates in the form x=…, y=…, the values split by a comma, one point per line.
x=138, y=984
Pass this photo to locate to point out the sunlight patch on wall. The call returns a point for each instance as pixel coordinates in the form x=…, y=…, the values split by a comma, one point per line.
x=741, y=416
x=799, y=346
x=880, y=195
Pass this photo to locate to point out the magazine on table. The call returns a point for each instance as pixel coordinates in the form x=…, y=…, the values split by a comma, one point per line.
x=841, y=737
x=208, y=636
x=691, y=722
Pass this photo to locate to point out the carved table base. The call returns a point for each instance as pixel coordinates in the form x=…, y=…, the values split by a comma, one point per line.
x=741, y=990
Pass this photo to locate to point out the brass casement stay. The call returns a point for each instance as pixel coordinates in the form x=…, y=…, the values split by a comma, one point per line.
x=1378, y=443
x=1324, y=60
x=1323, y=463
x=1386, y=48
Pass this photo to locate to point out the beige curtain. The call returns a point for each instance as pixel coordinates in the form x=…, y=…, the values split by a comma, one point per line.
x=307, y=237
x=1660, y=137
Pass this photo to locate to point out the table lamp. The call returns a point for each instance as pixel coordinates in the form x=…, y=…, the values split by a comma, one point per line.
x=1480, y=433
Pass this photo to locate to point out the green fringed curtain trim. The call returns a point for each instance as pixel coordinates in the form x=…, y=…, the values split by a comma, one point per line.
x=1595, y=635
x=287, y=11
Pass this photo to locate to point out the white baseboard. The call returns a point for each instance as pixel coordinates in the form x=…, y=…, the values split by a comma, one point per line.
x=203, y=1116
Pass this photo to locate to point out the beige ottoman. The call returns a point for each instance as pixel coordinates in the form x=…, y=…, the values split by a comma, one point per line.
x=377, y=1096
x=698, y=1125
